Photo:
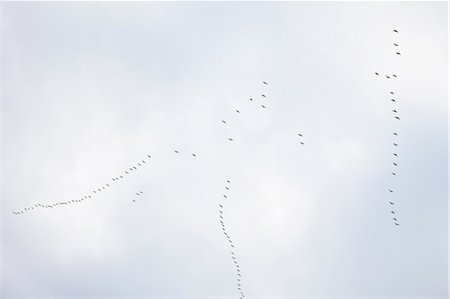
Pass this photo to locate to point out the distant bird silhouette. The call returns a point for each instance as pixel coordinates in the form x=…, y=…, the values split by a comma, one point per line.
x=395, y=144
x=264, y=82
x=228, y=181
x=398, y=53
x=263, y=95
x=393, y=212
x=395, y=134
x=396, y=224
x=395, y=44
x=251, y=99
x=397, y=117
x=176, y=152
x=394, y=219
x=148, y=156
x=194, y=155
x=393, y=100
x=388, y=77
x=227, y=188
x=377, y=74
x=395, y=155
x=231, y=139
x=391, y=203
x=238, y=111
x=395, y=31
x=395, y=111
x=395, y=164
x=300, y=135
x=263, y=106
x=224, y=121
x=393, y=173
x=392, y=92
x=391, y=190
x=394, y=75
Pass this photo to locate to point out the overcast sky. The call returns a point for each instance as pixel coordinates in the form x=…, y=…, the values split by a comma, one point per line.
x=90, y=89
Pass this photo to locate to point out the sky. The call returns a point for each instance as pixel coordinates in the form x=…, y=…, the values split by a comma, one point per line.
x=91, y=88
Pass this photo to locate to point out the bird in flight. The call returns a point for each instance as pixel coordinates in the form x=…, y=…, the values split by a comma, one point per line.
x=395, y=111
x=388, y=77
x=393, y=100
x=392, y=92
x=251, y=99
x=398, y=53
x=395, y=144
x=377, y=74
x=263, y=106
x=176, y=152
x=264, y=82
x=391, y=190
x=300, y=135
x=395, y=164
x=393, y=173
x=395, y=31
x=238, y=111
x=391, y=203
x=228, y=181
x=263, y=95
x=194, y=155
x=224, y=121
x=397, y=117
x=394, y=75
x=395, y=155
x=231, y=139
x=392, y=212
x=395, y=44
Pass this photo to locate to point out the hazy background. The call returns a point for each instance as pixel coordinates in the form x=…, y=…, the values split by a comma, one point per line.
x=92, y=88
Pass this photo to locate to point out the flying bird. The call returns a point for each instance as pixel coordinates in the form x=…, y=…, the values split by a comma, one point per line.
x=224, y=121
x=377, y=74
x=391, y=190
x=388, y=77
x=395, y=144
x=394, y=75
x=395, y=30
x=228, y=181
x=238, y=111
x=395, y=44
x=176, y=152
x=263, y=95
x=392, y=100
x=395, y=111
x=398, y=53
x=300, y=135
x=395, y=134
x=392, y=92
x=194, y=155
x=264, y=82
x=263, y=106
x=231, y=139
x=393, y=173
x=397, y=117
x=395, y=164
x=391, y=203
x=396, y=224
x=395, y=155
x=392, y=212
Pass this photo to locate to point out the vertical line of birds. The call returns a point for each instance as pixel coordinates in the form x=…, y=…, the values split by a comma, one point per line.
x=395, y=111
x=230, y=241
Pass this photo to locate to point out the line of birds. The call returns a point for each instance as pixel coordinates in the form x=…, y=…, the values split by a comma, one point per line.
x=395, y=142
x=91, y=194
x=96, y=191
x=230, y=241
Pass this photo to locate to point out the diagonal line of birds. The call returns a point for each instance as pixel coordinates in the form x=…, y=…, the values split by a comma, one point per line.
x=395, y=110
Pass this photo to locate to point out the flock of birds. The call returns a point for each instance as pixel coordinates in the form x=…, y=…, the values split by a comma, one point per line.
x=261, y=102
x=395, y=145
x=230, y=241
